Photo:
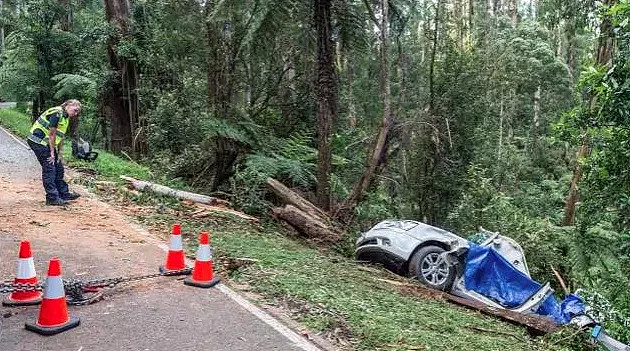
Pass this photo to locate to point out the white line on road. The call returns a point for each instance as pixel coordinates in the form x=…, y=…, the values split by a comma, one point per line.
x=15, y=138
x=294, y=337
x=298, y=340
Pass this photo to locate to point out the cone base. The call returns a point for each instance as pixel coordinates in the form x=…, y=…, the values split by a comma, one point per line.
x=34, y=327
x=190, y=282
x=163, y=270
x=9, y=302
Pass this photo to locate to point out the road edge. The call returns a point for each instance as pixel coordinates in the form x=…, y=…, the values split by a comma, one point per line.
x=297, y=339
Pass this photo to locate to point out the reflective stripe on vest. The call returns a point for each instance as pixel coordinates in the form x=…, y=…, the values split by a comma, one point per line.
x=43, y=124
x=54, y=288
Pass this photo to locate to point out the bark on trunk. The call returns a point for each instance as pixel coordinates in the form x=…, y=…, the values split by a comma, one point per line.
x=326, y=98
x=572, y=197
x=66, y=21
x=536, y=121
x=121, y=99
x=166, y=191
x=497, y=7
x=290, y=197
x=458, y=9
x=311, y=227
x=1, y=31
x=535, y=324
x=571, y=49
x=471, y=18
x=213, y=59
x=513, y=11
x=500, y=148
x=432, y=62
x=379, y=150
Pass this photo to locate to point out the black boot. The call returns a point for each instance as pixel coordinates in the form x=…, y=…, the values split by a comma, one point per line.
x=56, y=202
x=70, y=196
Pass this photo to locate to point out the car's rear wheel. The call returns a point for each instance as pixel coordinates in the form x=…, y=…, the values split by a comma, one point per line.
x=431, y=269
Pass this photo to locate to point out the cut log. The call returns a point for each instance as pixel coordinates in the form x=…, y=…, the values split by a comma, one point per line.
x=290, y=197
x=309, y=226
x=164, y=190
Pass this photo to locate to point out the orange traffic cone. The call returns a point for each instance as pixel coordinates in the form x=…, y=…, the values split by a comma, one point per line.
x=175, y=257
x=53, y=313
x=202, y=274
x=25, y=275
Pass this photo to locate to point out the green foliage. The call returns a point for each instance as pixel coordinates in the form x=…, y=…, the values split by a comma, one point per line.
x=16, y=122
x=291, y=160
x=107, y=166
x=227, y=98
x=483, y=205
x=372, y=315
x=74, y=85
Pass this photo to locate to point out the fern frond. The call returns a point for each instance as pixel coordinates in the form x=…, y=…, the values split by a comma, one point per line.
x=73, y=85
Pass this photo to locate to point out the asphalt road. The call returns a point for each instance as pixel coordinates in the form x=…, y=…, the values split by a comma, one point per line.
x=7, y=105
x=93, y=240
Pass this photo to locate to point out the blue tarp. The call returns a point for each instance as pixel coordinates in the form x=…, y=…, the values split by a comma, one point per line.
x=491, y=275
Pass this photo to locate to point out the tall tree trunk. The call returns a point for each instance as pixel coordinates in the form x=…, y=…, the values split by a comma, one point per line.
x=379, y=150
x=120, y=100
x=352, y=110
x=67, y=19
x=501, y=117
x=471, y=19
x=536, y=120
x=326, y=88
x=571, y=58
x=213, y=58
x=533, y=9
x=603, y=56
x=513, y=11
x=459, y=23
x=497, y=7
x=1, y=31
x=433, y=55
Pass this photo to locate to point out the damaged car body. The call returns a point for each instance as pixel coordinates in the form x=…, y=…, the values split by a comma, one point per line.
x=437, y=257
x=494, y=272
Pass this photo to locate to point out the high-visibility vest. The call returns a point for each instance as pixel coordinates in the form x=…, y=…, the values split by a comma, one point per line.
x=42, y=123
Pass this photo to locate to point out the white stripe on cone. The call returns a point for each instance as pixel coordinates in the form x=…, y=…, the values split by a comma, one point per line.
x=54, y=288
x=176, y=243
x=25, y=268
x=204, y=253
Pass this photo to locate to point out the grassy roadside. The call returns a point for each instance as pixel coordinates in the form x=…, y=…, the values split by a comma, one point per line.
x=326, y=292
x=107, y=166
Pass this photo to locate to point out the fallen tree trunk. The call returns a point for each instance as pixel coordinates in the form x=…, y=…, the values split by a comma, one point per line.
x=164, y=190
x=535, y=324
x=290, y=197
x=310, y=226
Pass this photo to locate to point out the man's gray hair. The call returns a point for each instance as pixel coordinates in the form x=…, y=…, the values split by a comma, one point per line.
x=71, y=102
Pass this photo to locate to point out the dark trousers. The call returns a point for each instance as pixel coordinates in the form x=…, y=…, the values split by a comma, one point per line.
x=52, y=173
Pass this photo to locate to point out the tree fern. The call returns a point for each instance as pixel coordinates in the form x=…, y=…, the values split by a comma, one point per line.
x=74, y=86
